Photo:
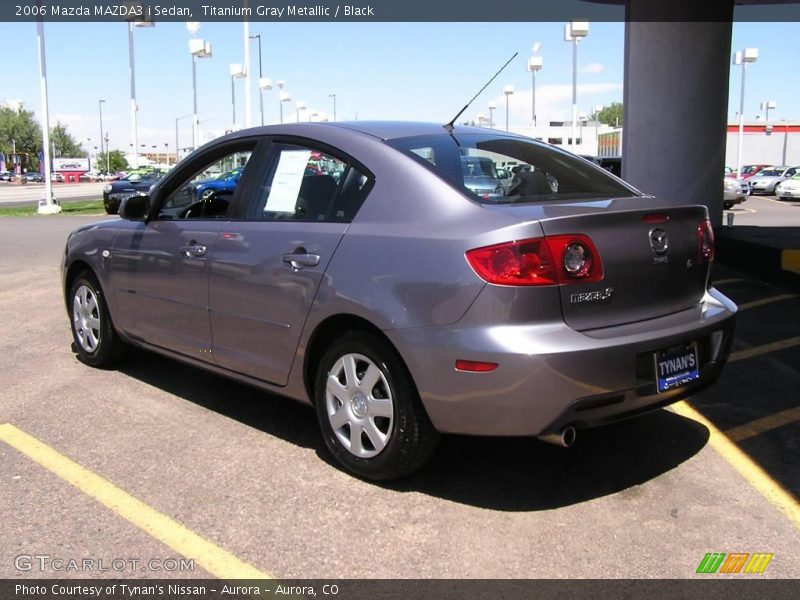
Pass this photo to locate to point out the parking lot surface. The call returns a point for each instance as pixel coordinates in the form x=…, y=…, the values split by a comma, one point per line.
x=247, y=473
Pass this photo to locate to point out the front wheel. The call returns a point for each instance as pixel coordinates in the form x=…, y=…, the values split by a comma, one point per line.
x=96, y=342
x=369, y=411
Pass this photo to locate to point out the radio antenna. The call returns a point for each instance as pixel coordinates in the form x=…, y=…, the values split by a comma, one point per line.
x=466, y=106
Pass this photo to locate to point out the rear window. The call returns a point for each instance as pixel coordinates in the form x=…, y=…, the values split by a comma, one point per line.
x=505, y=170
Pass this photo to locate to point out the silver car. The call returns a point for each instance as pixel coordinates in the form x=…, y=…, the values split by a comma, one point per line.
x=353, y=268
x=766, y=180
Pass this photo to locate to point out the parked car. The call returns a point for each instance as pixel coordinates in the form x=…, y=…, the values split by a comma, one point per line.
x=90, y=177
x=480, y=176
x=789, y=189
x=33, y=177
x=749, y=171
x=765, y=180
x=5, y=175
x=399, y=303
x=116, y=191
x=734, y=191
x=56, y=177
x=224, y=181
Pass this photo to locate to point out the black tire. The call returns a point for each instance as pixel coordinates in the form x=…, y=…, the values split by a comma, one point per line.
x=411, y=440
x=727, y=205
x=107, y=348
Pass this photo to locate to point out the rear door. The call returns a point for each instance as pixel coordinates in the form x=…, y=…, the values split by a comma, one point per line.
x=267, y=267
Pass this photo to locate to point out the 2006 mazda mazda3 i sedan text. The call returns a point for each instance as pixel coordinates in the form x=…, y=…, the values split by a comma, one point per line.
x=352, y=268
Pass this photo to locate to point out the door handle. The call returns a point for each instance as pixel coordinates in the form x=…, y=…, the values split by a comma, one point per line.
x=193, y=251
x=300, y=260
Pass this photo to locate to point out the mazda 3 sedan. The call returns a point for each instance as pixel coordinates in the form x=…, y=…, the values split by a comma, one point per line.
x=381, y=289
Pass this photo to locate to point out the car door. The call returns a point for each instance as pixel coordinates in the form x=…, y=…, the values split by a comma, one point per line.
x=160, y=267
x=267, y=268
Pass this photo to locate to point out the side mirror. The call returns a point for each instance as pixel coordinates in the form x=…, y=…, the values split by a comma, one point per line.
x=135, y=208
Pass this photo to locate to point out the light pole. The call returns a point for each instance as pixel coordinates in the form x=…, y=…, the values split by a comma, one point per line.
x=198, y=48
x=177, y=146
x=237, y=72
x=100, y=104
x=132, y=69
x=263, y=84
x=283, y=96
x=108, y=156
x=766, y=107
x=492, y=106
x=573, y=32
x=534, y=65
x=334, y=104
x=596, y=112
x=48, y=206
x=507, y=90
x=749, y=55
x=248, y=97
x=299, y=105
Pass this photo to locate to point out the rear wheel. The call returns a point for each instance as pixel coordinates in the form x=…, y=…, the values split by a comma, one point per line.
x=369, y=411
x=96, y=342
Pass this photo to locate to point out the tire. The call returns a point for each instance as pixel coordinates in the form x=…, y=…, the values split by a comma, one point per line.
x=394, y=436
x=727, y=205
x=95, y=340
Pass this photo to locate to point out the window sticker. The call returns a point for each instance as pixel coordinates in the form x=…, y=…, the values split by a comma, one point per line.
x=287, y=181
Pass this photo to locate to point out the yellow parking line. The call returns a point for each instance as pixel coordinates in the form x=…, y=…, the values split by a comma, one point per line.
x=790, y=260
x=758, y=426
x=764, y=349
x=209, y=556
x=764, y=301
x=773, y=491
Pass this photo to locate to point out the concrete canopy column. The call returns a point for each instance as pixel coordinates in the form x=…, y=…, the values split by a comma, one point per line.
x=675, y=102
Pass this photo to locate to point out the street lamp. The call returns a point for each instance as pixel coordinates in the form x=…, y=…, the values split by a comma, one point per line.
x=283, y=96
x=100, y=104
x=334, y=104
x=132, y=69
x=177, y=146
x=47, y=206
x=596, y=113
x=507, y=90
x=492, y=106
x=749, y=55
x=263, y=83
x=481, y=119
x=534, y=65
x=198, y=48
x=237, y=72
x=766, y=107
x=574, y=32
x=300, y=105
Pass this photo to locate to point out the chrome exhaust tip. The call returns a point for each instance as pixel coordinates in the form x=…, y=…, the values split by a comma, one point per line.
x=564, y=438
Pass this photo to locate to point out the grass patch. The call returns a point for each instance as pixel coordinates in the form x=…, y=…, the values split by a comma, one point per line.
x=85, y=207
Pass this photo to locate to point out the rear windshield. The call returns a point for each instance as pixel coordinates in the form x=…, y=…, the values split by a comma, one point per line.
x=505, y=170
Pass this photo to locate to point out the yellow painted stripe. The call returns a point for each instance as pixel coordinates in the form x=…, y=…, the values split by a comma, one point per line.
x=790, y=260
x=741, y=562
x=764, y=301
x=758, y=426
x=746, y=466
x=209, y=556
x=764, y=349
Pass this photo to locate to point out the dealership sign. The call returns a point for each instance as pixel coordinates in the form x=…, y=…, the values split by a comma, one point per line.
x=70, y=164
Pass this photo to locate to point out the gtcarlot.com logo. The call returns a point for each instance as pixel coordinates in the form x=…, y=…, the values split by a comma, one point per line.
x=46, y=562
x=734, y=562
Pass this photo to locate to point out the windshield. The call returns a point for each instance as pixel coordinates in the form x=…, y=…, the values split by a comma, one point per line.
x=228, y=175
x=540, y=172
x=770, y=173
x=137, y=177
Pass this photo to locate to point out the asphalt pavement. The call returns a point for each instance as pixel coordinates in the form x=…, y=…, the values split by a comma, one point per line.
x=247, y=472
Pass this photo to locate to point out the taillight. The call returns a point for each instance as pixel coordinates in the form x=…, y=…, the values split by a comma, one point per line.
x=705, y=242
x=556, y=260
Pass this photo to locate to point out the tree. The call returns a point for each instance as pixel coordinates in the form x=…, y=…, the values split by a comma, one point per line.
x=612, y=114
x=64, y=143
x=19, y=129
x=116, y=162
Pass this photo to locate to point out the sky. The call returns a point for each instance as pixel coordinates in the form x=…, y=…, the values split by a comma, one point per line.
x=404, y=71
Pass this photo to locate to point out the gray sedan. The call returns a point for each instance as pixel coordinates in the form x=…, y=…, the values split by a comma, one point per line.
x=766, y=180
x=354, y=268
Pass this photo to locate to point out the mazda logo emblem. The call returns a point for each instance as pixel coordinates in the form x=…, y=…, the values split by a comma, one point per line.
x=659, y=241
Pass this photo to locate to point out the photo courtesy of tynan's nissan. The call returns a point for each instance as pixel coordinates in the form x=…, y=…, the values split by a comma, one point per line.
x=413, y=300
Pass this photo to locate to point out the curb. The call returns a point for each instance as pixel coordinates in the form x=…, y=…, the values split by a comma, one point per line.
x=769, y=253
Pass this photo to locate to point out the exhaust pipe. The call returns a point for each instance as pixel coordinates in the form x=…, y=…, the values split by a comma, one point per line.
x=564, y=438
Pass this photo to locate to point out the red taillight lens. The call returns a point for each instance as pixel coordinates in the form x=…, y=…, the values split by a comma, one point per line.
x=473, y=366
x=705, y=242
x=555, y=260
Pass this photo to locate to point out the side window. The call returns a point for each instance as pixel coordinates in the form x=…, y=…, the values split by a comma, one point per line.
x=309, y=185
x=207, y=194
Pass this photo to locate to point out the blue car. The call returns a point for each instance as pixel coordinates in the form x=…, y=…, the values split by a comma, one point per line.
x=226, y=181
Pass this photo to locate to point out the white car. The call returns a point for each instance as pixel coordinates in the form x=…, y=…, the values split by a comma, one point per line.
x=734, y=191
x=788, y=189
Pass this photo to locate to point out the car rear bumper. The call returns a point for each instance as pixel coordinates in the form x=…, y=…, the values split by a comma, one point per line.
x=550, y=376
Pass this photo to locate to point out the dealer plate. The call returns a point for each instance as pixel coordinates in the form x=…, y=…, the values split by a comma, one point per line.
x=676, y=366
